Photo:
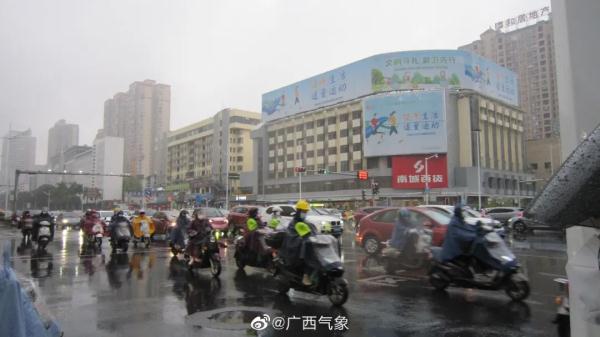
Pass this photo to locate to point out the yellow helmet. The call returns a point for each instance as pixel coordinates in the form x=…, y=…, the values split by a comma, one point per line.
x=116, y=210
x=302, y=205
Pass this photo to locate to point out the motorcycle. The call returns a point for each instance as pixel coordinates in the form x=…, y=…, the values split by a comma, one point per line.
x=244, y=256
x=328, y=269
x=416, y=254
x=44, y=233
x=94, y=236
x=27, y=231
x=563, y=313
x=121, y=237
x=204, y=252
x=489, y=266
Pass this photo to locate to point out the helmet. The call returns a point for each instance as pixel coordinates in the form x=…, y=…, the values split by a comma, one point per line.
x=26, y=213
x=120, y=213
x=302, y=205
x=44, y=210
x=142, y=211
x=116, y=210
x=458, y=210
x=276, y=209
x=183, y=212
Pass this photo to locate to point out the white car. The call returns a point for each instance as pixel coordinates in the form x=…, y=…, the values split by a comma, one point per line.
x=313, y=216
x=471, y=216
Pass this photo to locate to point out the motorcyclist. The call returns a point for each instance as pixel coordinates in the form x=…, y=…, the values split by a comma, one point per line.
x=118, y=217
x=142, y=220
x=275, y=217
x=43, y=216
x=255, y=236
x=181, y=226
x=90, y=219
x=202, y=228
x=25, y=217
x=400, y=235
x=459, y=237
x=299, y=230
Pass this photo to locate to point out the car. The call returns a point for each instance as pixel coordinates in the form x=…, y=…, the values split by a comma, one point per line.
x=106, y=215
x=69, y=220
x=215, y=217
x=521, y=224
x=362, y=212
x=316, y=216
x=239, y=214
x=471, y=216
x=162, y=223
x=377, y=227
x=503, y=214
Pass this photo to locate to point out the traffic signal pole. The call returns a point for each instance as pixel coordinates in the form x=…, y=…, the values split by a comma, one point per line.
x=299, y=185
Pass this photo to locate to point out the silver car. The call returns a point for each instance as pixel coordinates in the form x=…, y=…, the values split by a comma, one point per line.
x=503, y=214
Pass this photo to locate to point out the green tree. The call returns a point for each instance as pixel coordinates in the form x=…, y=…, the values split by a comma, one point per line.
x=377, y=79
x=417, y=79
x=454, y=80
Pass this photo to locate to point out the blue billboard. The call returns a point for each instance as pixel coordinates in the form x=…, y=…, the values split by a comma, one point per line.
x=430, y=69
x=409, y=122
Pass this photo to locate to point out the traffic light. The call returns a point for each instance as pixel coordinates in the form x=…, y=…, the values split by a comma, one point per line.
x=299, y=169
x=364, y=195
x=362, y=175
x=375, y=187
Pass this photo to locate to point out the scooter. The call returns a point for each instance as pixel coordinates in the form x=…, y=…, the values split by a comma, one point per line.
x=244, y=256
x=121, y=238
x=563, y=312
x=489, y=266
x=93, y=238
x=145, y=238
x=44, y=233
x=327, y=277
x=416, y=254
x=204, y=252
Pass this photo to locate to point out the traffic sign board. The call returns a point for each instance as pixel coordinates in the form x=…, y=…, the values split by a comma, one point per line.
x=363, y=175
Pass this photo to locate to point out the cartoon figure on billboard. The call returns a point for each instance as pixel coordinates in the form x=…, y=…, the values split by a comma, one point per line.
x=373, y=127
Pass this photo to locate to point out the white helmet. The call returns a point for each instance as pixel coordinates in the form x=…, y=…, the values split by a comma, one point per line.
x=276, y=209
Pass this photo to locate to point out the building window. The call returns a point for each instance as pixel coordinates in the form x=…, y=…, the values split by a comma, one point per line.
x=344, y=149
x=300, y=155
x=356, y=130
x=310, y=125
x=332, y=150
x=357, y=164
x=310, y=154
x=547, y=165
x=320, y=153
x=290, y=156
x=372, y=163
x=310, y=139
x=290, y=143
x=344, y=118
x=356, y=114
x=332, y=167
x=290, y=129
x=356, y=147
x=344, y=166
x=320, y=122
x=320, y=138
x=331, y=135
x=331, y=120
x=389, y=162
x=299, y=127
x=344, y=133
x=533, y=166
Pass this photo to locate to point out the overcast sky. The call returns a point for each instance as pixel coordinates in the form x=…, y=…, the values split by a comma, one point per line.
x=64, y=58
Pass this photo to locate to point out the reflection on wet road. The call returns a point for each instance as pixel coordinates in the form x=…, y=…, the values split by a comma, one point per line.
x=148, y=292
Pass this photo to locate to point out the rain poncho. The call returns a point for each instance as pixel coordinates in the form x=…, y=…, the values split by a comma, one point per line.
x=18, y=315
x=400, y=233
x=178, y=233
x=459, y=239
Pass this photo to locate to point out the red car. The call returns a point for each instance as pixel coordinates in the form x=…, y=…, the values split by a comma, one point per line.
x=216, y=219
x=362, y=212
x=377, y=227
x=239, y=214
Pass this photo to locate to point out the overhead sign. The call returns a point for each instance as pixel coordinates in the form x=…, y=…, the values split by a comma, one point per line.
x=522, y=20
x=409, y=172
x=404, y=123
x=430, y=69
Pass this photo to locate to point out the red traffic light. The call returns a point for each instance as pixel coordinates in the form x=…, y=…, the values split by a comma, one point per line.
x=299, y=169
x=363, y=175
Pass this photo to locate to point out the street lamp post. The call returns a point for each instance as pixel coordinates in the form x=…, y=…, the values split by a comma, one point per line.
x=427, y=178
x=477, y=131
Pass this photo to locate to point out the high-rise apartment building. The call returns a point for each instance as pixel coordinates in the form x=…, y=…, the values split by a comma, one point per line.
x=18, y=152
x=529, y=52
x=61, y=137
x=107, y=158
x=141, y=117
x=197, y=153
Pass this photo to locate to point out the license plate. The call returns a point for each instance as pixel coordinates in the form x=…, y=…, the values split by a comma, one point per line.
x=44, y=231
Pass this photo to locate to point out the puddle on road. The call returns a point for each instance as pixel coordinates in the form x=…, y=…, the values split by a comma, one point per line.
x=232, y=318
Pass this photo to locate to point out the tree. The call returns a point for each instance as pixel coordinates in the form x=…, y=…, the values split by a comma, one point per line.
x=377, y=78
x=454, y=80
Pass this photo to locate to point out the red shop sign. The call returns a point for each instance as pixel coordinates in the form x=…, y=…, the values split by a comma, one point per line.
x=408, y=172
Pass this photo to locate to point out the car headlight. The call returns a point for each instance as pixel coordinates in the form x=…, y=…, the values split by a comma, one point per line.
x=173, y=224
x=210, y=220
x=323, y=223
x=341, y=222
x=226, y=221
x=65, y=221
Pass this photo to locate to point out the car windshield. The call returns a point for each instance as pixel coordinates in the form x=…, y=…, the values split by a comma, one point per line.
x=318, y=211
x=473, y=213
x=210, y=212
x=438, y=217
x=70, y=215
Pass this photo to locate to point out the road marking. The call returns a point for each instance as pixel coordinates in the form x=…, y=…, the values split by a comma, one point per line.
x=387, y=280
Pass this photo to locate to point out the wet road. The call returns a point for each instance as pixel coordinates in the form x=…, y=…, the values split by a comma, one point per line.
x=147, y=292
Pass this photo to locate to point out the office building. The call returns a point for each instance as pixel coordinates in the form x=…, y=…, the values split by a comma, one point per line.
x=18, y=152
x=107, y=158
x=141, y=117
x=386, y=114
x=61, y=137
x=198, y=154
